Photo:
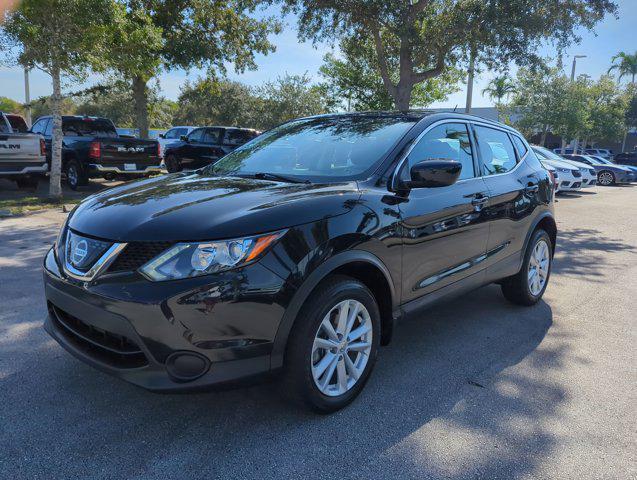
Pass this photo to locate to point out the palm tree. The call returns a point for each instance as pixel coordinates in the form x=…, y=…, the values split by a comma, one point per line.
x=499, y=88
x=625, y=64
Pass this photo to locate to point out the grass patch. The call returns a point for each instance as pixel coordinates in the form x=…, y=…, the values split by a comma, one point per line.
x=20, y=205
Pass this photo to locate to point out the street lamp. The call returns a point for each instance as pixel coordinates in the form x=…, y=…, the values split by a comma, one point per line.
x=575, y=57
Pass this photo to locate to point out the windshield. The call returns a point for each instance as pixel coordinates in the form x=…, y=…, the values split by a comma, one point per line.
x=546, y=153
x=320, y=149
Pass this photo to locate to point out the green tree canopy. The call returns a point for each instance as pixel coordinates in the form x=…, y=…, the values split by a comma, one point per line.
x=210, y=101
x=10, y=106
x=625, y=64
x=353, y=79
x=166, y=34
x=433, y=35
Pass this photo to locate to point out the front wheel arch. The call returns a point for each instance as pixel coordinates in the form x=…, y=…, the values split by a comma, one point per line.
x=353, y=263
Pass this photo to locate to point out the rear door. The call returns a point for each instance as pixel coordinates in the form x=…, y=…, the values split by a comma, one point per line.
x=513, y=189
x=444, y=230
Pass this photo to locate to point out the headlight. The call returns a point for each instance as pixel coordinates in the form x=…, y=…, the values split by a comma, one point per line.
x=186, y=260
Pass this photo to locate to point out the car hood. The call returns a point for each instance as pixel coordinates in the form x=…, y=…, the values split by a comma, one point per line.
x=560, y=164
x=188, y=206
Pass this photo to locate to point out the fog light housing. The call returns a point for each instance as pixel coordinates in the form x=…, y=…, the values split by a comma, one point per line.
x=186, y=366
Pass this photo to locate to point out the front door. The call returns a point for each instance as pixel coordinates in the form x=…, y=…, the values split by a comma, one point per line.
x=444, y=229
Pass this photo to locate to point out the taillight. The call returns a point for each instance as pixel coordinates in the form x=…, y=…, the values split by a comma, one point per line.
x=94, y=150
x=553, y=181
x=42, y=147
x=158, y=150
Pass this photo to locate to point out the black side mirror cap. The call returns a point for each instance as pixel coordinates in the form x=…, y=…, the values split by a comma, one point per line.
x=161, y=135
x=433, y=173
x=183, y=138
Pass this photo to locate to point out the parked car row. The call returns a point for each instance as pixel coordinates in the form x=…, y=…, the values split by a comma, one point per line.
x=577, y=171
x=92, y=147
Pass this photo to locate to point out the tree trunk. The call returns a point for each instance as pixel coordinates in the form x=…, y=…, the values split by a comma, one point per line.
x=55, y=183
x=624, y=141
x=545, y=129
x=140, y=96
x=575, y=145
x=402, y=97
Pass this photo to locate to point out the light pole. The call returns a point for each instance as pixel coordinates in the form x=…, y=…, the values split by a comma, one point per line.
x=27, y=97
x=575, y=57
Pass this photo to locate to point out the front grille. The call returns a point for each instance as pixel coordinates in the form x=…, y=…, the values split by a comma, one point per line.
x=108, y=347
x=577, y=184
x=577, y=173
x=136, y=254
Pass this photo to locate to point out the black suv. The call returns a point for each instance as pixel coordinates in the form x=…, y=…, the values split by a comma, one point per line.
x=298, y=251
x=205, y=145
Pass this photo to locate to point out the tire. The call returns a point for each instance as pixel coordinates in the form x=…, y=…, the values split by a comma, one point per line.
x=27, y=183
x=606, y=178
x=173, y=165
x=521, y=288
x=75, y=175
x=304, y=359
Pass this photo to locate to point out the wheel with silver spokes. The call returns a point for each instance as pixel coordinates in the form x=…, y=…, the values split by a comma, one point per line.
x=341, y=347
x=538, y=270
x=529, y=284
x=606, y=178
x=333, y=345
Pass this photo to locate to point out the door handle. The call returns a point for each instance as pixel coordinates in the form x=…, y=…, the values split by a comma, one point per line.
x=532, y=188
x=478, y=200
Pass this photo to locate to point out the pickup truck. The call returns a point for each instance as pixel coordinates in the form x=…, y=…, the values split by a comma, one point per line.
x=22, y=155
x=92, y=148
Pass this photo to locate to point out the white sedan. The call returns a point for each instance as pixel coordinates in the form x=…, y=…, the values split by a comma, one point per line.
x=588, y=176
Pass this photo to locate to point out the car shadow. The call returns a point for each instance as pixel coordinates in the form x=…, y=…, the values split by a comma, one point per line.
x=441, y=362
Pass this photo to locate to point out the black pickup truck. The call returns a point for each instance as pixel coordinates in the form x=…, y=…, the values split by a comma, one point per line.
x=92, y=148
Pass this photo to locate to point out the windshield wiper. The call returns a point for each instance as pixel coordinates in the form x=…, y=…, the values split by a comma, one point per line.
x=276, y=176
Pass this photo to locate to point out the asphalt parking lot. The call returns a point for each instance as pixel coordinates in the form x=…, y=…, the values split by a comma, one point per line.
x=474, y=388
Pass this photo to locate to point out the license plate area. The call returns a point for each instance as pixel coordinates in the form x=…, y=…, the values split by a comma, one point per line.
x=130, y=167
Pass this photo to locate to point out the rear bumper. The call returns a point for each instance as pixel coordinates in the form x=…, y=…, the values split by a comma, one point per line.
x=163, y=338
x=17, y=168
x=95, y=168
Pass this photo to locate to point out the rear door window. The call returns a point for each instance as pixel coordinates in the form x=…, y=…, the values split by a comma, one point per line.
x=235, y=137
x=520, y=147
x=212, y=136
x=496, y=150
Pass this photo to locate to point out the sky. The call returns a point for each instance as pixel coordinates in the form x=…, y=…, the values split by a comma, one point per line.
x=611, y=36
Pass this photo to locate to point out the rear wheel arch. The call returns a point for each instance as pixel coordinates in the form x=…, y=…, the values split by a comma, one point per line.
x=359, y=265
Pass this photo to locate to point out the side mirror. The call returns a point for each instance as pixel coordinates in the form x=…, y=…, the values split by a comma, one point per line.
x=162, y=135
x=183, y=138
x=435, y=172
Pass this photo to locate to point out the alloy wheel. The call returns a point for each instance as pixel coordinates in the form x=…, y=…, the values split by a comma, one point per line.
x=606, y=178
x=341, y=349
x=539, y=264
x=71, y=175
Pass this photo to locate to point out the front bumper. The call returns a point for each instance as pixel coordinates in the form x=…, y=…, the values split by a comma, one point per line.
x=169, y=336
x=569, y=183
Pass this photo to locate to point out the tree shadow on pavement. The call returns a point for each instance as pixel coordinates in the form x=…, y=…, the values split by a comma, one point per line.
x=586, y=251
